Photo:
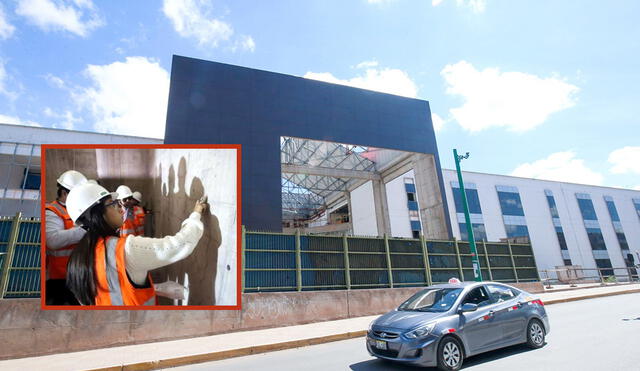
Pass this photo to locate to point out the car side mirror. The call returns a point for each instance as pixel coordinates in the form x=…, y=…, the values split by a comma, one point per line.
x=468, y=307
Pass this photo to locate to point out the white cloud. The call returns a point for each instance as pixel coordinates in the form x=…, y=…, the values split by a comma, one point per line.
x=6, y=29
x=386, y=80
x=477, y=6
x=193, y=19
x=128, y=98
x=561, y=167
x=13, y=120
x=55, y=81
x=66, y=120
x=245, y=43
x=12, y=95
x=515, y=100
x=437, y=121
x=625, y=160
x=367, y=64
x=79, y=17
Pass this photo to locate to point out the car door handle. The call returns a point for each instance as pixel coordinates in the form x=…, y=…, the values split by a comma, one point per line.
x=490, y=314
x=520, y=304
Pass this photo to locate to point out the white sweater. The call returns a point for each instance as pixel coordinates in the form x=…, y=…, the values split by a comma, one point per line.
x=143, y=254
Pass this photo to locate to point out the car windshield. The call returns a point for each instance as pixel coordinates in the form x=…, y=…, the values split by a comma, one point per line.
x=431, y=300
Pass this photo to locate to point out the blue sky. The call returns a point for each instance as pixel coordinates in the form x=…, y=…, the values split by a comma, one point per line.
x=545, y=89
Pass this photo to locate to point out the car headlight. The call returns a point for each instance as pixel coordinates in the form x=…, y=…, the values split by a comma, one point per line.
x=421, y=331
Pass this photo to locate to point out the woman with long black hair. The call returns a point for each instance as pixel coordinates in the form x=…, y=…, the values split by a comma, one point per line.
x=106, y=269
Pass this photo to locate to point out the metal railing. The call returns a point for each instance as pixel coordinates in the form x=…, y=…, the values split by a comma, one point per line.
x=575, y=275
x=296, y=262
x=19, y=257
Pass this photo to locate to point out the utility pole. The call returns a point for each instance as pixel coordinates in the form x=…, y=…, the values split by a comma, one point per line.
x=467, y=218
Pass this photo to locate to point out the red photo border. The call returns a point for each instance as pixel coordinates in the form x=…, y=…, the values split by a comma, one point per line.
x=237, y=147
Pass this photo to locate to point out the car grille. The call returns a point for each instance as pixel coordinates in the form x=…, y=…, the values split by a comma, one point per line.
x=385, y=353
x=385, y=334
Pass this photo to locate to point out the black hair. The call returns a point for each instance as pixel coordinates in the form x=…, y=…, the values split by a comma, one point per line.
x=60, y=189
x=81, y=278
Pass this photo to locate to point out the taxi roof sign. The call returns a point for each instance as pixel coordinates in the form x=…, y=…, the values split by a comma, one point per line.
x=454, y=280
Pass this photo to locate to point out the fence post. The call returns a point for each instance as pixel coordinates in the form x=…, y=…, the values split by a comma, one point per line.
x=386, y=249
x=534, y=260
x=298, y=262
x=425, y=259
x=513, y=262
x=486, y=258
x=347, y=272
x=8, y=259
x=455, y=242
x=243, y=257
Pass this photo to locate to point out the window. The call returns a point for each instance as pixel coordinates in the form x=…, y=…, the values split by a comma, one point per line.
x=479, y=233
x=561, y=239
x=501, y=293
x=472, y=200
x=411, y=196
x=510, y=203
x=612, y=211
x=413, y=213
x=567, y=262
x=416, y=234
x=516, y=230
x=596, y=239
x=552, y=207
x=586, y=209
x=31, y=180
x=478, y=296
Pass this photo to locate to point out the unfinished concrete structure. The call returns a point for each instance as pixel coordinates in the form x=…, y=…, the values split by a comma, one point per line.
x=267, y=112
x=171, y=180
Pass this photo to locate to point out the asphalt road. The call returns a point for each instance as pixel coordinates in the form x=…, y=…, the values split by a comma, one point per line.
x=595, y=334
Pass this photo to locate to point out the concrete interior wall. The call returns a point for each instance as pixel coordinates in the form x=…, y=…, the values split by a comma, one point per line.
x=181, y=177
x=171, y=180
x=59, y=160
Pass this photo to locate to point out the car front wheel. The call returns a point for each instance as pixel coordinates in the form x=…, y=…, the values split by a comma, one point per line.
x=450, y=354
x=535, y=334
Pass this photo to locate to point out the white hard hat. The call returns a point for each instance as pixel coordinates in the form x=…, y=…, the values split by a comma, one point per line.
x=123, y=192
x=92, y=181
x=138, y=196
x=71, y=178
x=83, y=197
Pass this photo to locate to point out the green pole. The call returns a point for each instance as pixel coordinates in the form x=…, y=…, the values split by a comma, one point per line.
x=472, y=241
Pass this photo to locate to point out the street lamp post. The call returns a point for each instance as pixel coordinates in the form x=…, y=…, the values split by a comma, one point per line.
x=467, y=218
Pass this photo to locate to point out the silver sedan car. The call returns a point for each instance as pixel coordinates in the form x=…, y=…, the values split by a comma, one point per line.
x=443, y=324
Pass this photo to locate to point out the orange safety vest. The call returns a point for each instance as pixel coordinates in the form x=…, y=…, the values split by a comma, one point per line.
x=138, y=216
x=56, y=260
x=129, y=224
x=113, y=286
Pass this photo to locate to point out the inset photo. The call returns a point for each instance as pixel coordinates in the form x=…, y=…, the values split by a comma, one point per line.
x=141, y=227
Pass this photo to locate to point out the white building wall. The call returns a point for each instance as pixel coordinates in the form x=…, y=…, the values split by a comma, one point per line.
x=363, y=213
x=539, y=222
x=398, y=208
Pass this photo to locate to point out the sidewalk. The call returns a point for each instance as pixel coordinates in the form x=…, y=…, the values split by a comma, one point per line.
x=209, y=348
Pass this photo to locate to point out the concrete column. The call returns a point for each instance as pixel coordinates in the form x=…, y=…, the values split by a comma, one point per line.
x=347, y=195
x=429, y=197
x=382, y=209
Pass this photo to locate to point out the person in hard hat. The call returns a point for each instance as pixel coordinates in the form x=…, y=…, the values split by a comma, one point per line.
x=108, y=269
x=138, y=213
x=125, y=198
x=61, y=238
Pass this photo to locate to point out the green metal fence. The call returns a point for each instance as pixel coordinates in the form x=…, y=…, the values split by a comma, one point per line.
x=19, y=257
x=295, y=262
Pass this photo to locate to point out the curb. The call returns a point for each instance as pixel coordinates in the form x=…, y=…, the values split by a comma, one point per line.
x=217, y=356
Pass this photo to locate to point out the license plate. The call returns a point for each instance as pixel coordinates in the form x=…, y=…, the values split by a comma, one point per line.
x=380, y=344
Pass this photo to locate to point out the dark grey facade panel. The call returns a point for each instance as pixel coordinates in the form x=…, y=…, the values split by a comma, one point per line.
x=216, y=103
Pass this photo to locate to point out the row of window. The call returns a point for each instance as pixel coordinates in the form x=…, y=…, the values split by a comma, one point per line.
x=516, y=226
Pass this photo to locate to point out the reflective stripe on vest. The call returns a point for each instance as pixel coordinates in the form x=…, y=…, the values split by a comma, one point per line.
x=56, y=260
x=139, y=215
x=113, y=285
x=129, y=225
